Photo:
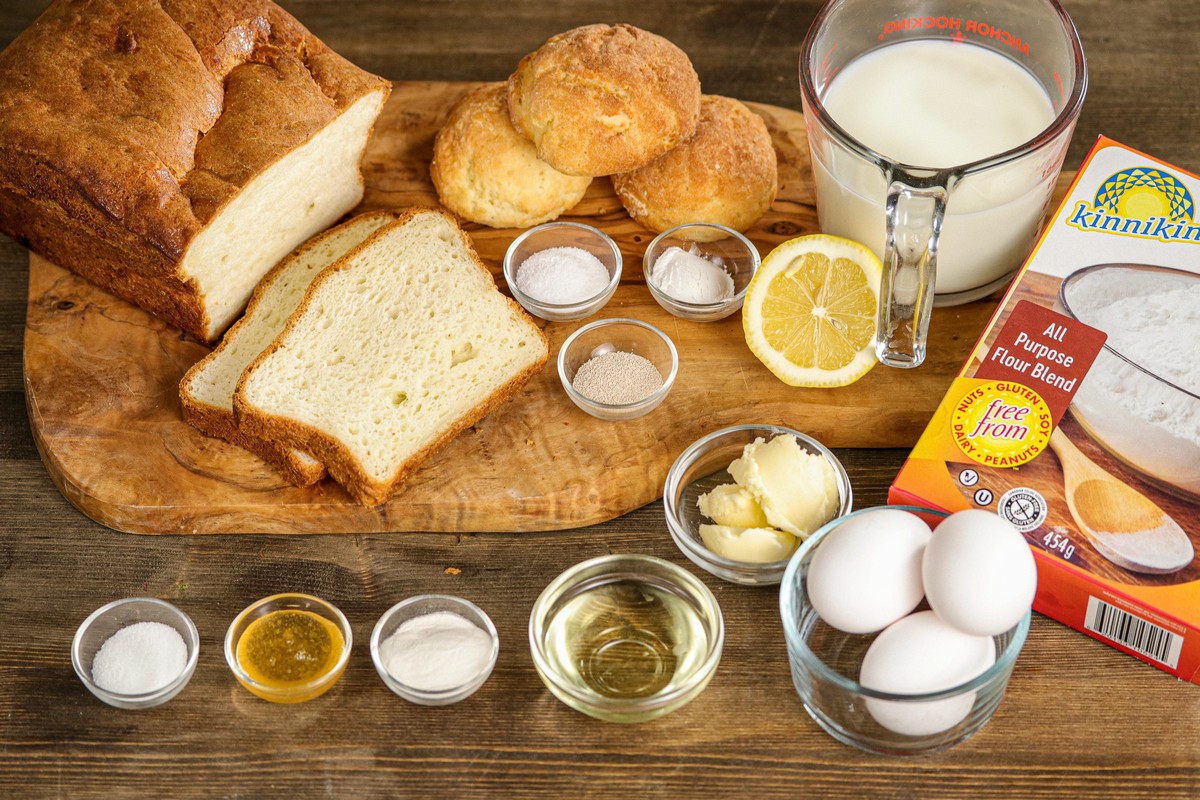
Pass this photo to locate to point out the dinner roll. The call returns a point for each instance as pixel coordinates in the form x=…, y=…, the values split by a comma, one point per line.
x=726, y=173
x=603, y=99
x=485, y=172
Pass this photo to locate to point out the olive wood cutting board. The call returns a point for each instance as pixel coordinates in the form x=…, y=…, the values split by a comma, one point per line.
x=101, y=381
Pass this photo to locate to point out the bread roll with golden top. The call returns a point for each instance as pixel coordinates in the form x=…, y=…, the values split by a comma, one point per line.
x=486, y=172
x=604, y=99
x=726, y=173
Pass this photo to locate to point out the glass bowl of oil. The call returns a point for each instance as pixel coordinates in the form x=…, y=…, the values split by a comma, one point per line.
x=626, y=638
x=288, y=648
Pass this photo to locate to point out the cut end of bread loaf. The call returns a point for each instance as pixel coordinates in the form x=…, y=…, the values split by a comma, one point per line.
x=206, y=391
x=296, y=197
x=397, y=348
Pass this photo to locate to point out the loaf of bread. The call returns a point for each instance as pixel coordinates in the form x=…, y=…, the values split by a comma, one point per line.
x=396, y=348
x=206, y=390
x=174, y=152
x=726, y=173
x=603, y=99
x=486, y=172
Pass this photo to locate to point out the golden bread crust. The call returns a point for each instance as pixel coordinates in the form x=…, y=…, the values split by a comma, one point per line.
x=486, y=172
x=125, y=125
x=603, y=99
x=726, y=173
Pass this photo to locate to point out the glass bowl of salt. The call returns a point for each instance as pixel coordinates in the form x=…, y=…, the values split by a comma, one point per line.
x=434, y=649
x=618, y=368
x=562, y=271
x=700, y=271
x=137, y=652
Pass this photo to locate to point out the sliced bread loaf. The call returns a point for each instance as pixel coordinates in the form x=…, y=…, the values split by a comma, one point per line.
x=396, y=348
x=174, y=152
x=207, y=388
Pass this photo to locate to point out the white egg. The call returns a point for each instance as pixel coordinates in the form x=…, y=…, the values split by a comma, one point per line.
x=921, y=654
x=866, y=573
x=980, y=575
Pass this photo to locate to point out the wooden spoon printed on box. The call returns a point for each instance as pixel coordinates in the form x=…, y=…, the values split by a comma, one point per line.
x=1124, y=526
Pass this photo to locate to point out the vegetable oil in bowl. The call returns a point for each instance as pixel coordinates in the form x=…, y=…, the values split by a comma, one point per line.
x=626, y=638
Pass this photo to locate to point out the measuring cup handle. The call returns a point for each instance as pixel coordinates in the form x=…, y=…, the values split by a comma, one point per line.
x=914, y=222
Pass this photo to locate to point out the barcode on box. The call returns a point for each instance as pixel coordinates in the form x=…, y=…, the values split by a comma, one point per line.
x=1133, y=632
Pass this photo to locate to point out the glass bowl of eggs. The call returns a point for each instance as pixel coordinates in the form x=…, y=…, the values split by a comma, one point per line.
x=902, y=638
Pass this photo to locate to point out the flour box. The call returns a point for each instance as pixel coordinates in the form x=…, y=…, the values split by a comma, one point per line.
x=1077, y=415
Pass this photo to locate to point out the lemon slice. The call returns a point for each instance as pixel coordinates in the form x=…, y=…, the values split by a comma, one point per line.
x=809, y=313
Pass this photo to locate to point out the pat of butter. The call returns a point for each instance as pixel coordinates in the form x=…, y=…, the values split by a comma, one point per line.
x=732, y=505
x=752, y=545
x=797, y=490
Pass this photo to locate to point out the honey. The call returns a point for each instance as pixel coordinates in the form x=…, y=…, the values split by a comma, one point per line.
x=289, y=649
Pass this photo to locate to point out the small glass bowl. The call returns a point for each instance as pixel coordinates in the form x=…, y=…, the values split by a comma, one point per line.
x=825, y=665
x=626, y=638
x=627, y=335
x=110, y=618
x=731, y=250
x=419, y=606
x=296, y=693
x=702, y=467
x=563, y=234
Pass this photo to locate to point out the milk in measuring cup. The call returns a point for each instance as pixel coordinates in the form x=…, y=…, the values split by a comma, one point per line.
x=941, y=104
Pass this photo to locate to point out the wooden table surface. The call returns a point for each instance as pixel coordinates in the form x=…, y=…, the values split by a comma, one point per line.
x=1080, y=720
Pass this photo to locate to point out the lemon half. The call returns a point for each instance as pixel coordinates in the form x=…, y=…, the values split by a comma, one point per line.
x=809, y=313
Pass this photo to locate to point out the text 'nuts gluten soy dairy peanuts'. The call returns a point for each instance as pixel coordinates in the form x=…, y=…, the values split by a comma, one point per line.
x=867, y=573
x=979, y=573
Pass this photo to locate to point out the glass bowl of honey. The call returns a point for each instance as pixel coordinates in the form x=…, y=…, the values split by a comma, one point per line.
x=288, y=648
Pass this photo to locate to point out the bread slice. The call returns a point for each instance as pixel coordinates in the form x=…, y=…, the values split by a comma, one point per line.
x=206, y=390
x=396, y=348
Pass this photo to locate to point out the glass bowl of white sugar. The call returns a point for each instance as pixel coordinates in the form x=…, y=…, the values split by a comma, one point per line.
x=434, y=649
x=137, y=652
x=618, y=368
x=563, y=271
x=700, y=271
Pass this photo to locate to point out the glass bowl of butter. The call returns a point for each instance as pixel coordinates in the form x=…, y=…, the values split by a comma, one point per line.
x=740, y=500
x=700, y=271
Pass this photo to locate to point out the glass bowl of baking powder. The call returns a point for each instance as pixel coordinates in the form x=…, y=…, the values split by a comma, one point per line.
x=702, y=281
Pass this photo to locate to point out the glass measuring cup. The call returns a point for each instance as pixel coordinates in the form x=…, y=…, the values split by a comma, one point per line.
x=950, y=232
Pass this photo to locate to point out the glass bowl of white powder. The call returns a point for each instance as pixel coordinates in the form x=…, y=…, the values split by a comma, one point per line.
x=434, y=649
x=701, y=281
x=618, y=368
x=1140, y=400
x=563, y=271
x=136, y=652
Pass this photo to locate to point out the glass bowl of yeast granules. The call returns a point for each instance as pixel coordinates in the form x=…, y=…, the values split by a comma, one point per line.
x=618, y=368
x=288, y=648
x=563, y=271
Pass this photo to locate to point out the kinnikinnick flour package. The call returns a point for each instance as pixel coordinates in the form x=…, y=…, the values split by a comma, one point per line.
x=1077, y=415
